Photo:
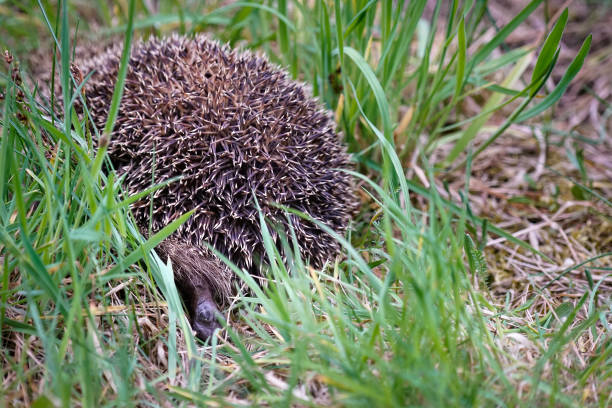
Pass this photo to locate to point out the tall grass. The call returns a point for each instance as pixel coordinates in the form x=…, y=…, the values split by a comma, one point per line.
x=398, y=320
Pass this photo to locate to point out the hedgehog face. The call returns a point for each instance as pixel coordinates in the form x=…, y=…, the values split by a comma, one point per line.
x=205, y=314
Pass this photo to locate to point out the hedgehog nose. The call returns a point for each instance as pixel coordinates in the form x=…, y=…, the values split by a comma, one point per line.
x=205, y=312
x=205, y=319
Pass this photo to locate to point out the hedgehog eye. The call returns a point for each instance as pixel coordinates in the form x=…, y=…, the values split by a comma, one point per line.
x=208, y=75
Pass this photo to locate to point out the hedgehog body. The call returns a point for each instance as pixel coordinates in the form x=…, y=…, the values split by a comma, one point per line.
x=235, y=128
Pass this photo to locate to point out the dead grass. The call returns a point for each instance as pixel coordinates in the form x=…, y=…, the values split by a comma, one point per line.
x=523, y=183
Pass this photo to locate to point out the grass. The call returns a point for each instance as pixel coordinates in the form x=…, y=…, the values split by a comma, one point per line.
x=90, y=315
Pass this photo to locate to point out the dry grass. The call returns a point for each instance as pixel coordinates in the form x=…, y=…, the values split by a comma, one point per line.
x=523, y=183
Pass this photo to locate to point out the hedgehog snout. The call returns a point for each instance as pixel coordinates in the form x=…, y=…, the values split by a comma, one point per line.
x=206, y=318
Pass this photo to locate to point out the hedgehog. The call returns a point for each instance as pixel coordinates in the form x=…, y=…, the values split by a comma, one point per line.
x=243, y=137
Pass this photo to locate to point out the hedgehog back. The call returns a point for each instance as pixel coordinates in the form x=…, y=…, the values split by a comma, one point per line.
x=234, y=127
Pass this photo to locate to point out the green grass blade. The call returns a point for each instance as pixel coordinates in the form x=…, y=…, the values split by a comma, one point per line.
x=559, y=90
x=461, y=58
x=491, y=45
x=377, y=90
x=358, y=18
x=550, y=47
x=151, y=243
x=470, y=133
x=117, y=94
